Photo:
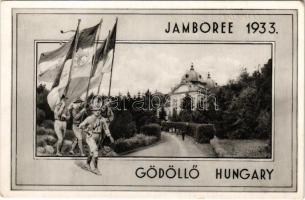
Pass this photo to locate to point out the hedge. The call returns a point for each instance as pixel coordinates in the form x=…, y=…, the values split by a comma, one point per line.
x=202, y=133
x=139, y=140
x=151, y=130
x=176, y=125
x=205, y=132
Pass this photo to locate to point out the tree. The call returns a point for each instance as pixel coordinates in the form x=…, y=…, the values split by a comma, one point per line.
x=245, y=105
x=42, y=102
x=122, y=126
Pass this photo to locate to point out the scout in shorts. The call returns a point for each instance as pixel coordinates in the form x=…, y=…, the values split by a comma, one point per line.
x=94, y=126
x=60, y=125
x=78, y=111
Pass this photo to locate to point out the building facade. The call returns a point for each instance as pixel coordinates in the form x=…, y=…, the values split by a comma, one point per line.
x=193, y=85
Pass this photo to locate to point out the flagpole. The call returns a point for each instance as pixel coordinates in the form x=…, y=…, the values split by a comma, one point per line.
x=116, y=23
x=93, y=59
x=104, y=52
x=111, y=71
x=73, y=53
x=99, y=85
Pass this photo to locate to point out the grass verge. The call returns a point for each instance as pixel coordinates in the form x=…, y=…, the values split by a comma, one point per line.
x=226, y=148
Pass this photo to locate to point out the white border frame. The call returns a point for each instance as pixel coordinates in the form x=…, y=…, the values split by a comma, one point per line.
x=6, y=41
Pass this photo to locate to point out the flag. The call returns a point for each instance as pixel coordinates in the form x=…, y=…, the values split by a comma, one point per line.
x=76, y=71
x=104, y=58
x=51, y=63
x=98, y=57
x=87, y=37
x=103, y=54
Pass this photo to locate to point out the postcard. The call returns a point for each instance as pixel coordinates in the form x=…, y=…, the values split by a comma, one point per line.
x=191, y=98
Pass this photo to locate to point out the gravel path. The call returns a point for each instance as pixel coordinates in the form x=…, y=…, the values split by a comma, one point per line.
x=172, y=145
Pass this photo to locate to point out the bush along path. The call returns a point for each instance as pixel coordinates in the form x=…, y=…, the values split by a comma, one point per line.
x=172, y=145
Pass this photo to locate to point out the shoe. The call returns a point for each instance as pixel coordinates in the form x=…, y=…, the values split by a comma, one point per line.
x=58, y=154
x=71, y=152
x=87, y=167
x=82, y=155
x=96, y=171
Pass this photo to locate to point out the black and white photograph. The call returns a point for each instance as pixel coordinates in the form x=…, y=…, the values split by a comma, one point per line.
x=158, y=99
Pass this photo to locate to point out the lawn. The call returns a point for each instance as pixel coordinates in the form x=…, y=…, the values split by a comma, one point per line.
x=254, y=148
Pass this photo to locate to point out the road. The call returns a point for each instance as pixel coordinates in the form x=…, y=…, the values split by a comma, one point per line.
x=172, y=145
x=68, y=171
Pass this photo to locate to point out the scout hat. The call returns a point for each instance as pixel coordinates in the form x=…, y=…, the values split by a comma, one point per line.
x=96, y=105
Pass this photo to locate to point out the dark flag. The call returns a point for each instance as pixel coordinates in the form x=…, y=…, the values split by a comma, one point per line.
x=103, y=51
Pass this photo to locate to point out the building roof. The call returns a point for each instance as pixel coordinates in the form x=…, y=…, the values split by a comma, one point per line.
x=192, y=76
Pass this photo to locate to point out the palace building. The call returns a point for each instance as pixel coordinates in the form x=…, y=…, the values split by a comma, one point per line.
x=193, y=84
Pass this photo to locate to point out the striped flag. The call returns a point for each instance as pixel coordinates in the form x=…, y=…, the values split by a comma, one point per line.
x=51, y=63
x=76, y=71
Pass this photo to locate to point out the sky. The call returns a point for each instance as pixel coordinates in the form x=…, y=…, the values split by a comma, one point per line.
x=138, y=67
x=161, y=66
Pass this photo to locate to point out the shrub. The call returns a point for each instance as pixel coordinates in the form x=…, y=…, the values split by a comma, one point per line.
x=40, y=151
x=151, y=130
x=45, y=131
x=66, y=146
x=40, y=130
x=40, y=116
x=205, y=132
x=122, y=126
x=131, y=129
x=139, y=140
x=47, y=124
x=51, y=132
x=40, y=141
x=263, y=128
x=191, y=129
x=49, y=149
x=237, y=134
x=69, y=135
x=176, y=125
x=50, y=140
x=201, y=132
x=120, y=145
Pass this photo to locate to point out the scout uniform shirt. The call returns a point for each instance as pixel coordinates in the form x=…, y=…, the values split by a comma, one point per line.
x=95, y=125
x=77, y=115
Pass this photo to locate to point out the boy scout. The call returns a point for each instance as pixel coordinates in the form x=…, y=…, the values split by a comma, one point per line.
x=60, y=125
x=94, y=126
x=78, y=111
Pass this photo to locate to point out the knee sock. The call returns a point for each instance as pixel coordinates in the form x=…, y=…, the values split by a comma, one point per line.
x=95, y=160
x=89, y=159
